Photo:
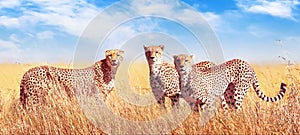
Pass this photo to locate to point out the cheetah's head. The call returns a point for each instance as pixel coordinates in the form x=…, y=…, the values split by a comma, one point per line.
x=183, y=62
x=114, y=57
x=154, y=54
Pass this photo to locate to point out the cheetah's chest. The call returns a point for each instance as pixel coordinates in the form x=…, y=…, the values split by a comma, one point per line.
x=110, y=85
x=155, y=80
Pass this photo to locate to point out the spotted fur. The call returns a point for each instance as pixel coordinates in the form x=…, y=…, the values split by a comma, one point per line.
x=230, y=80
x=164, y=79
x=182, y=63
x=39, y=81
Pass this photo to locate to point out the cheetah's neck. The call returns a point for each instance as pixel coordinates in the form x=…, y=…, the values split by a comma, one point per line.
x=107, y=71
x=155, y=69
x=184, y=81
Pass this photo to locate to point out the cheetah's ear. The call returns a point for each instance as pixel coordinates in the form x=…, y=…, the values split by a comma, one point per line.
x=175, y=57
x=145, y=47
x=162, y=47
x=121, y=52
x=107, y=52
x=192, y=56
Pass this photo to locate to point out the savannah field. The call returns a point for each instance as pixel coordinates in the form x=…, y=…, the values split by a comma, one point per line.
x=64, y=116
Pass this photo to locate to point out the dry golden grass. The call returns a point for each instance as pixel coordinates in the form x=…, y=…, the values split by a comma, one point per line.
x=65, y=116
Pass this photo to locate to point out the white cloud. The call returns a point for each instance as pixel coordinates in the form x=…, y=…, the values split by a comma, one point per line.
x=213, y=19
x=189, y=16
x=68, y=16
x=14, y=38
x=9, y=51
x=45, y=35
x=167, y=9
x=118, y=37
x=9, y=22
x=72, y=16
x=7, y=45
x=279, y=8
x=9, y=3
x=123, y=33
x=153, y=7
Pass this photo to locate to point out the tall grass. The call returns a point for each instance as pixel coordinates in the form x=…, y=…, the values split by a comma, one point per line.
x=64, y=116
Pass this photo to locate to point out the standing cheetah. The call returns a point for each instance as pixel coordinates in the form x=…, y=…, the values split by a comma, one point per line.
x=182, y=63
x=164, y=79
x=38, y=81
x=235, y=75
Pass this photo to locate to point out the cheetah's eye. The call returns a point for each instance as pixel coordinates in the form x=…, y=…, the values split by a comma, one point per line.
x=110, y=55
x=118, y=55
x=156, y=52
x=186, y=60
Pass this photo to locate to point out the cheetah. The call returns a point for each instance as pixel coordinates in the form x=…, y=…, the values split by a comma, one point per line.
x=234, y=76
x=181, y=63
x=38, y=81
x=164, y=79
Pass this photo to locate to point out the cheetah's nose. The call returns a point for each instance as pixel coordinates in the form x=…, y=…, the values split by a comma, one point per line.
x=152, y=58
x=114, y=61
x=181, y=66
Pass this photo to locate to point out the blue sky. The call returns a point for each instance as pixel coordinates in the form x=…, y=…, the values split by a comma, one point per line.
x=47, y=31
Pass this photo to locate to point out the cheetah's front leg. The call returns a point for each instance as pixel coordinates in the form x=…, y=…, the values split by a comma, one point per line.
x=175, y=100
x=106, y=89
x=224, y=103
x=201, y=102
x=161, y=102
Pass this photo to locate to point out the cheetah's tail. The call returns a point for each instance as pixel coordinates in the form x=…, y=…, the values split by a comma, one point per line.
x=270, y=99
